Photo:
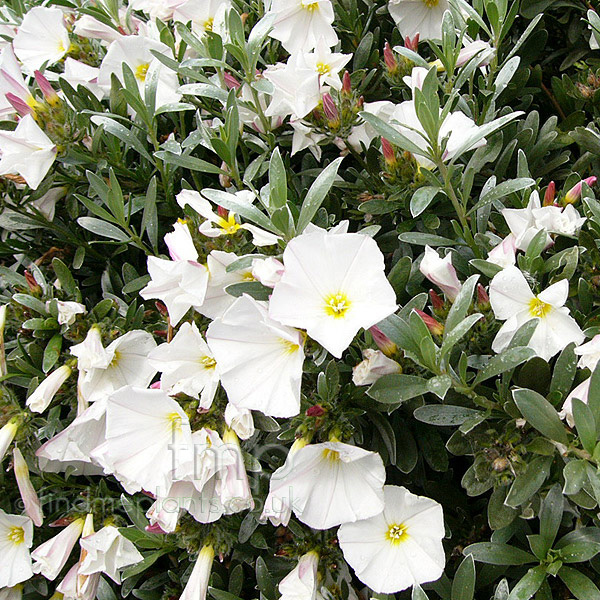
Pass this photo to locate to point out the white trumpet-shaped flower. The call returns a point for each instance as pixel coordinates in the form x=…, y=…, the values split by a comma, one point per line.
x=43, y=394
x=589, y=353
x=259, y=360
x=375, y=364
x=513, y=301
x=197, y=585
x=68, y=311
x=523, y=224
x=31, y=501
x=16, y=537
x=27, y=151
x=325, y=485
x=187, y=365
x=42, y=37
x=301, y=583
x=399, y=547
x=233, y=486
x=423, y=17
x=441, y=272
x=333, y=285
x=7, y=435
x=108, y=551
x=300, y=24
x=142, y=427
x=51, y=556
x=180, y=242
x=12, y=82
x=180, y=284
x=240, y=420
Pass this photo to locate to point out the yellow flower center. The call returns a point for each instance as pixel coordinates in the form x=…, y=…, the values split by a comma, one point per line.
x=310, y=6
x=337, y=305
x=247, y=276
x=538, y=308
x=208, y=362
x=141, y=71
x=16, y=535
x=115, y=360
x=396, y=533
x=289, y=347
x=208, y=24
x=174, y=421
x=331, y=455
x=431, y=3
x=229, y=226
x=323, y=68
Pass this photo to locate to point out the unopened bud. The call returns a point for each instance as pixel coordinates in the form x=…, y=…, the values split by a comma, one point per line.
x=436, y=302
x=330, y=109
x=19, y=104
x=34, y=286
x=388, y=152
x=360, y=103
x=550, y=194
x=382, y=341
x=231, y=82
x=315, y=411
x=390, y=60
x=575, y=192
x=346, y=83
x=412, y=44
x=222, y=212
x=224, y=178
x=483, y=300
x=161, y=308
x=46, y=88
x=432, y=324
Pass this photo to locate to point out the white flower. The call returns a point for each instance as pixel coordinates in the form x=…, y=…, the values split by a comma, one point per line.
x=556, y=219
x=31, y=502
x=441, y=272
x=325, y=485
x=11, y=81
x=375, y=365
x=299, y=24
x=27, y=151
x=155, y=9
x=128, y=365
x=71, y=448
x=479, y=48
x=77, y=586
x=267, y=270
x=522, y=222
x=180, y=242
x=333, y=284
x=364, y=133
x=42, y=395
x=301, y=583
x=296, y=88
x=512, y=300
x=91, y=353
x=187, y=365
x=233, y=486
x=240, y=420
x=327, y=64
x=142, y=426
x=205, y=15
x=197, y=585
x=16, y=537
x=399, y=547
x=504, y=254
x=67, y=311
x=89, y=27
x=306, y=137
x=51, y=556
x=179, y=284
x=419, y=16
x=581, y=392
x=259, y=360
x=46, y=204
x=136, y=52
x=78, y=73
x=416, y=79
x=589, y=353
x=108, y=551
x=7, y=435
x=42, y=37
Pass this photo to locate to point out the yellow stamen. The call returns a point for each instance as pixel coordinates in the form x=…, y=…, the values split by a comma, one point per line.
x=289, y=347
x=247, y=276
x=337, y=305
x=116, y=358
x=208, y=24
x=16, y=535
x=323, y=68
x=331, y=455
x=539, y=308
x=141, y=71
x=397, y=533
x=174, y=420
x=310, y=6
x=208, y=362
x=431, y=3
x=229, y=226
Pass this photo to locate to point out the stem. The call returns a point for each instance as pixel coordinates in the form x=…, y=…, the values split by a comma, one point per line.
x=456, y=203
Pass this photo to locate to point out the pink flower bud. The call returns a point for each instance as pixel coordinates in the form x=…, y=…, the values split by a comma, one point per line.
x=575, y=192
x=231, y=82
x=156, y=528
x=19, y=105
x=482, y=297
x=550, y=194
x=383, y=341
x=329, y=108
x=46, y=88
x=346, y=83
x=412, y=44
x=436, y=302
x=441, y=272
x=390, y=60
x=31, y=502
x=432, y=324
x=388, y=152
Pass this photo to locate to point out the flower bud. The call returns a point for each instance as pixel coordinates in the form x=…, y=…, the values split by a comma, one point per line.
x=19, y=105
x=240, y=420
x=346, y=84
x=383, y=341
x=388, y=153
x=374, y=366
x=575, y=192
x=7, y=435
x=432, y=324
x=44, y=393
x=330, y=109
x=230, y=81
x=436, y=302
x=197, y=584
x=441, y=272
x=412, y=44
x=29, y=496
x=390, y=60
x=315, y=411
x=483, y=300
x=33, y=285
x=46, y=88
x=550, y=194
